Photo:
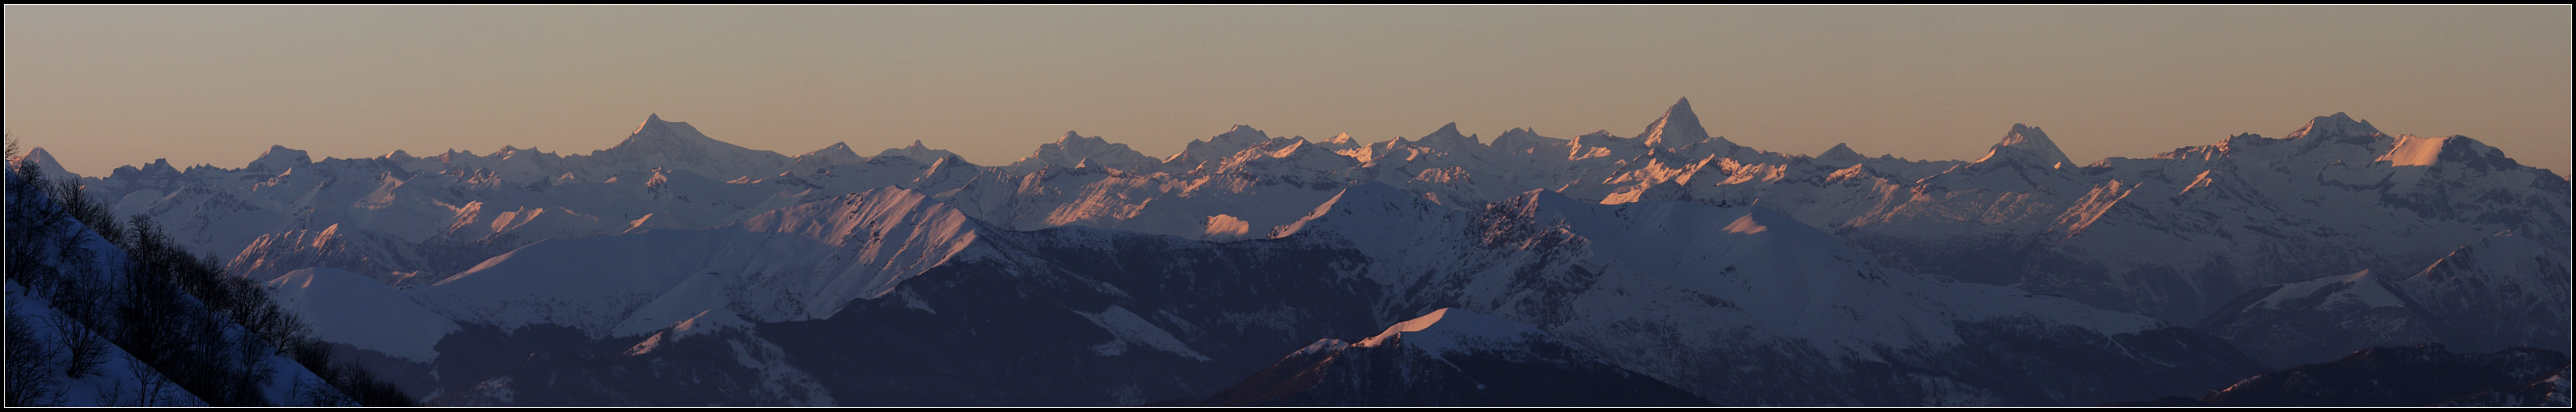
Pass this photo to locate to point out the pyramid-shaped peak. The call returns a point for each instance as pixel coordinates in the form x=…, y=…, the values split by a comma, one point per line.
x=651, y=121
x=654, y=126
x=916, y=144
x=45, y=162
x=1841, y=153
x=2031, y=140
x=675, y=140
x=1678, y=127
x=838, y=150
x=2023, y=134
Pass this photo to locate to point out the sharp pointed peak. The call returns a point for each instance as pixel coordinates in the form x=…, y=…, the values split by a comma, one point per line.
x=1841, y=152
x=1445, y=130
x=1679, y=126
x=45, y=161
x=2032, y=140
x=654, y=125
x=2022, y=133
x=916, y=144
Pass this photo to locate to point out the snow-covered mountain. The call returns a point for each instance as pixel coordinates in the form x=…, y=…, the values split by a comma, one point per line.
x=2503, y=291
x=74, y=261
x=971, y=314
x=526, y=250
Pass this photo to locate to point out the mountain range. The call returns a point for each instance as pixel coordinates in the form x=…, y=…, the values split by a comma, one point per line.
x=676, y=269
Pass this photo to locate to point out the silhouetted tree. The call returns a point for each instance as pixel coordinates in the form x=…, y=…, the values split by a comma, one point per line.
x=174, y=313
x=30, y=368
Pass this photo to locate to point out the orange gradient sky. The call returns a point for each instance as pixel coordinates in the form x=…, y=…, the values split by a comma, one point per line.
x=103, y=86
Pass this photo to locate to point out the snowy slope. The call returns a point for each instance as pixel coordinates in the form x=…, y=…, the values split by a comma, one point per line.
x=2503, y=291
x=289, y=382
x=119, y=378
x=792, y=264
x=1641, y=284
x=346, y=308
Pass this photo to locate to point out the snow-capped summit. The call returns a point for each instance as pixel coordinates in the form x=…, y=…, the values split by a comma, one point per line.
x=2025, y=140
x=1840, y=154
x=45, y=162
x=1339, y=141
x=1074, y=150
x=918, y=152
x=1241, y=135
x=2337, y=125
x=159, y=169
x=819, y=160
x=1677, y=128
x=279, y=158
x=1215, y=149
x=1447, y=138
x=658, y=143
x=1525, y=141
x=837, y=153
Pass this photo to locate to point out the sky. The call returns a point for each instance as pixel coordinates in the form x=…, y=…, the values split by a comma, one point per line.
x=104, y=86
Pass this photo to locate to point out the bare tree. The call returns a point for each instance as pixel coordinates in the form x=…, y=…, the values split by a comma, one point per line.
x=31, y=368
x=86, y=348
